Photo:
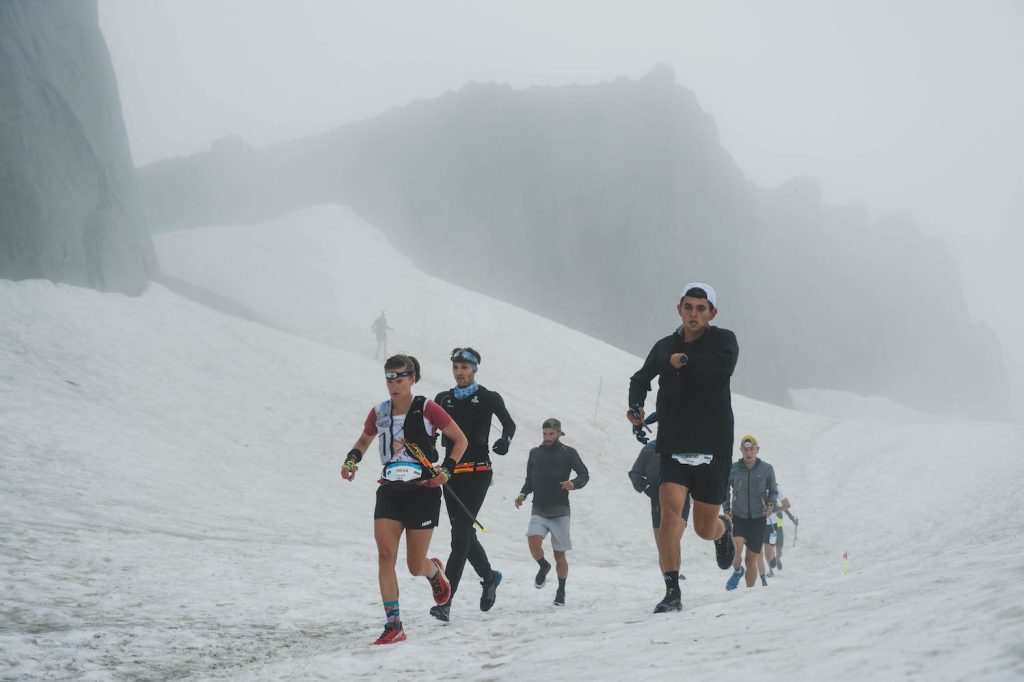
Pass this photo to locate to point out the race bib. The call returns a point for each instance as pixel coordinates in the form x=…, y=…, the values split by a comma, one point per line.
x=403, y=471
x=693, y=459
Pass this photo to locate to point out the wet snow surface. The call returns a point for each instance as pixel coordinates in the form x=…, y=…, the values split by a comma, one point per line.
x=170, y=506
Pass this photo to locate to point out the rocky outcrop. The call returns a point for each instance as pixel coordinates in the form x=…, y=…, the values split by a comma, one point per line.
x=593, y=204
x=69, y=204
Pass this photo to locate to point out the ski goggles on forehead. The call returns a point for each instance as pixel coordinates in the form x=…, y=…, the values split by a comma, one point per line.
x=463, y=355
x=391, y=376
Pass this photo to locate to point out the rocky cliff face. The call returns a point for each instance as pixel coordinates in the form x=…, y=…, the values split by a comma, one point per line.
x=69, y=205
x=592, y=205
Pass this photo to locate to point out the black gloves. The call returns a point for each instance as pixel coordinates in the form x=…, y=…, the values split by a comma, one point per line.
x=500, y=446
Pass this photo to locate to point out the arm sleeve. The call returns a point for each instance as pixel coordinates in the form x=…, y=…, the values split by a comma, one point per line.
x=582, y=475
x=721, y=360
x=370, y=425
x=640, y=383
x=508, y=427
x=528, y=483
x=436, y=414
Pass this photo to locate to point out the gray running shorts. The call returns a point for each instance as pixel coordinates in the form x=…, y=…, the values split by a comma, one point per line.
x=558, y=526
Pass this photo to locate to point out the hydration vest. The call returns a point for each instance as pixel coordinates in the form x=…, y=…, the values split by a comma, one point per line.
x=414, y=430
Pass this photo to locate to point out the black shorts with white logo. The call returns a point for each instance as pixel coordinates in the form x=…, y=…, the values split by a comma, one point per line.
x=751, y=530
x=705, y=482
x=417, y=507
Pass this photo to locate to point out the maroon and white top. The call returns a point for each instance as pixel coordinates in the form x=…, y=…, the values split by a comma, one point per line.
x=391, y=428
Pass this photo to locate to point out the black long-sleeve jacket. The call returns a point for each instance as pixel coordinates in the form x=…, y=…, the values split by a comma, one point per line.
x=694, y=403
x=473, y=415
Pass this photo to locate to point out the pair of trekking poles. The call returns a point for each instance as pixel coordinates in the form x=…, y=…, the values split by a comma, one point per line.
x=418, y=453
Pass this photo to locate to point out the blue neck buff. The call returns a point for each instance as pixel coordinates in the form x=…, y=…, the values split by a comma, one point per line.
x=462, y=393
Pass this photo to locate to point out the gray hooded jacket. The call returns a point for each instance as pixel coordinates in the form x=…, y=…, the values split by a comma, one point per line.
x=751, y=490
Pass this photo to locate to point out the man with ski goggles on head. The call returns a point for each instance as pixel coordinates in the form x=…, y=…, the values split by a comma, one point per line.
x=472, y=407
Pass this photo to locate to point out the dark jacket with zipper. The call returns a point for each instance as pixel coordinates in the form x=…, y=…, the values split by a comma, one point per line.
x=751, y=490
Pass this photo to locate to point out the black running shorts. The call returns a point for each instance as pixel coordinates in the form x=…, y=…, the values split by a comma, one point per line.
x=751, y=530
x=768, y=535
x=705, y=481
x=417, y=507
x=656, y=510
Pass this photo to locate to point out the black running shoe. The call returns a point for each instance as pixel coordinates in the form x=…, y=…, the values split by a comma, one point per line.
x=764, y=581
x=490, y=591
x=725, y=548
x=673, y=601
x=441, y=611
x=560, y=597
x=542, y=574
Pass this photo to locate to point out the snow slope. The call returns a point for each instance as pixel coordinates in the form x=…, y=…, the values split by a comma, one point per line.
x=170, y=505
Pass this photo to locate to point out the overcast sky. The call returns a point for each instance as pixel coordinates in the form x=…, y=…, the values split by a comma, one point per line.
x=913, y=106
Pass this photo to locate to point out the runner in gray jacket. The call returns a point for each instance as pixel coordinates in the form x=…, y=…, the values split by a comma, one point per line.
x=547, y=477
x=752, y=496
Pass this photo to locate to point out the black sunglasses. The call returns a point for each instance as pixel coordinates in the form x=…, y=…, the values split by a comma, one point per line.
x=392, y=376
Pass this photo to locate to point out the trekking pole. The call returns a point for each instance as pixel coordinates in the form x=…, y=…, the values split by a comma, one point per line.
x=449, y=491
x=796, y=527
x=417, y=452
x=638, y=429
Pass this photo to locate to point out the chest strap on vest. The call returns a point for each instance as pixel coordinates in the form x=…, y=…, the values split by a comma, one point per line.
x=469, y=467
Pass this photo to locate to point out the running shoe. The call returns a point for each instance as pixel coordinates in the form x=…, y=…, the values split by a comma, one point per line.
x=725, y=548
x=673, y=601
x=393, y=632
x=490, y=592
x=734, y=579
x=542, y=574
x=441, y=612
x=439, y=584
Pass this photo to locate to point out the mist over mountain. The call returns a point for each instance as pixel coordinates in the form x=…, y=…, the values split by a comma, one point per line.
x=593, y=204
x=69, y=204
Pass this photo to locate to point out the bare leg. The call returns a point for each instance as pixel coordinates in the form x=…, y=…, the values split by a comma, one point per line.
x=417, y=542
x=751, y=563
x=536, y=548
x=740, y=542
x=387, y=533
x=671, y=496
x=561, y=565
x=706, y=523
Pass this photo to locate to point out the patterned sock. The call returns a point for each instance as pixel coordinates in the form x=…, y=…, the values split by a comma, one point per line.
x=391, y=611
x=672, y=580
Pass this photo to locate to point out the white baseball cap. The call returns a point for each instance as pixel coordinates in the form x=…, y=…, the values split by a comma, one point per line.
x=706, y=288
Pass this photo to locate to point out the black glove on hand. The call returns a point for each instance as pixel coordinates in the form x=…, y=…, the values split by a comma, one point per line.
x=500, y=446
x=638, y=433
